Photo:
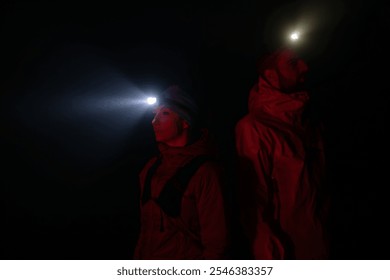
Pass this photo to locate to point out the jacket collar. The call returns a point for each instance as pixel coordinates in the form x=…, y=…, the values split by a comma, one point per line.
x=287, y=108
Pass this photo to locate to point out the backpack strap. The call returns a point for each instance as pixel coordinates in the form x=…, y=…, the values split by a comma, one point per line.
x=147, y=193
x=171, y=195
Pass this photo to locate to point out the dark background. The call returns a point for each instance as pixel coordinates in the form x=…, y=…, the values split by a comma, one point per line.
x=73, y=138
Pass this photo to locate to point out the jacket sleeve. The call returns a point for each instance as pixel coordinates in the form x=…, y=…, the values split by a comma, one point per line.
x=136, y=254
x=255, y=181
x=211, y=213
x=141, y=182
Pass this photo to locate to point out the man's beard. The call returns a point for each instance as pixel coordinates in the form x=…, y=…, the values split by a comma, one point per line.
x=291, y=87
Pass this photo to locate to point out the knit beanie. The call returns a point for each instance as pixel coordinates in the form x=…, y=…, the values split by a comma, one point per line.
x=181, y=103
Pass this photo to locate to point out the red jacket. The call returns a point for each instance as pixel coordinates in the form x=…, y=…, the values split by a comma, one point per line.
x=281, y=170
x=200, y=230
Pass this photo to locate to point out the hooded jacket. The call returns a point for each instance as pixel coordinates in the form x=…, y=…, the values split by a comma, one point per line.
x=281, y=160
x=200, y=230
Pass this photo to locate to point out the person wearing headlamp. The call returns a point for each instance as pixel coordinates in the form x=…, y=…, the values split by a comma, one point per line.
x=284, y=206
x=182, y=205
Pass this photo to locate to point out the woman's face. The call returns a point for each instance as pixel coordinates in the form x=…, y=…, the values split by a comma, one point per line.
x=168, y=126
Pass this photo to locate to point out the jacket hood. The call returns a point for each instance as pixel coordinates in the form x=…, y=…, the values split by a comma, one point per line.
x=266, y=100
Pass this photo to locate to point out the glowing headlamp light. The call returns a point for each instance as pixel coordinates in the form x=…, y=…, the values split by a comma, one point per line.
x=151, y=100
x=294, y=36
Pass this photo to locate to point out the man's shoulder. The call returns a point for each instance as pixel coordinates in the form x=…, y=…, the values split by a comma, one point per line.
x=250, y=122
x=246, y=120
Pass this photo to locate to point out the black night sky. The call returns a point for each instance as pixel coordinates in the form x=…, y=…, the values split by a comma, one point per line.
x=74, y=137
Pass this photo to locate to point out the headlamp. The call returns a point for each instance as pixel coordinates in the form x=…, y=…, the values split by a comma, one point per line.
x=151, y=100
x=294, y=36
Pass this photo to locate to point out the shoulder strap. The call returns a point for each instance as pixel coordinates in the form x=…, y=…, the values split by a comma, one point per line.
x=147, y=192
x=184, y=174
x=170, y=197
